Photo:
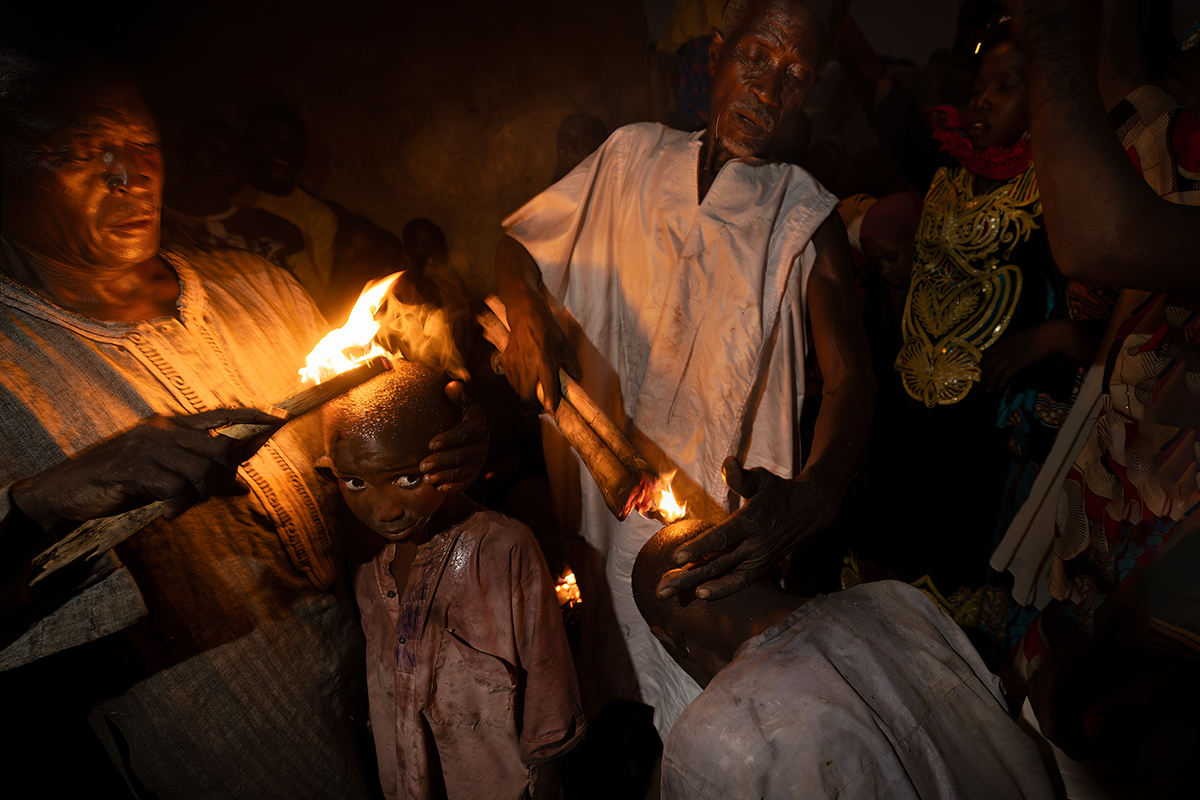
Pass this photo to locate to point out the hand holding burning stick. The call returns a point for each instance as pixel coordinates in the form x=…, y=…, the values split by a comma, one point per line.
x=185, y=460
x=624, y=478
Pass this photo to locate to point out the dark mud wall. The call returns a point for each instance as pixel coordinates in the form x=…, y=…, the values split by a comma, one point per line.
x=441, y=109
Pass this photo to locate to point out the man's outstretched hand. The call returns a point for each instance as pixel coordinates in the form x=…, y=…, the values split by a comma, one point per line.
x=777, y=515
x=176, y=459
x=457, y=454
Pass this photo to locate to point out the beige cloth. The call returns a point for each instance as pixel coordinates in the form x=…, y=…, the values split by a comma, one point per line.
x=693, y=317
x=468, y=670
x=243, y=677
x=312, y=266
x=869, y=693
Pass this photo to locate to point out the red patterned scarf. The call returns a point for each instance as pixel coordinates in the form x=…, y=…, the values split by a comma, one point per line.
x=996, y=163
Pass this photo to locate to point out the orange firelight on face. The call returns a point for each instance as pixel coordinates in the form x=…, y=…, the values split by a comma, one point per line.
x=354, y=342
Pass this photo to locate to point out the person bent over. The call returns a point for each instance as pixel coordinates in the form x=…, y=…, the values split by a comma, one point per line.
x=871, y=692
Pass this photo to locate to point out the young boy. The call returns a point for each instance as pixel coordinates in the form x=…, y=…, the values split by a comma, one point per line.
x=471, y=684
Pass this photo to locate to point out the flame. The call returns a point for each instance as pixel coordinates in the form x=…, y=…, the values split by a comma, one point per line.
x=568, y=590
x=670, y=509
x=354, y=342
x=654, y=499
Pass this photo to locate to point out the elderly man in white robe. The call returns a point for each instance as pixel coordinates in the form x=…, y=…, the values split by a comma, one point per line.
x=690, y=269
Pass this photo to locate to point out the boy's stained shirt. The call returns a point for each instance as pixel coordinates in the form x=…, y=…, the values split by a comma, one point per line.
x=472, y=659
x=423, y=576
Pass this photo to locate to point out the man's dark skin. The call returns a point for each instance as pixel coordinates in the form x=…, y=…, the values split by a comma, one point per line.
x=89, y=215
x=762, y=74
x=278, y=148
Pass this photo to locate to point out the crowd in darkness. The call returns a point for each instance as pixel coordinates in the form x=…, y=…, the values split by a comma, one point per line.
x=924, y=382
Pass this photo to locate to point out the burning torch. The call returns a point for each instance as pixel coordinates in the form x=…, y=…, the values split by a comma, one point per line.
x=344, y=359
x=627, y=482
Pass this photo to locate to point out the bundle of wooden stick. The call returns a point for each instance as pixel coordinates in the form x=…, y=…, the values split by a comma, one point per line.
x=623, y=475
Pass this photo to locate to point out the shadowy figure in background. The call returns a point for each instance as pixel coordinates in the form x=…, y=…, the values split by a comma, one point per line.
x=868, y=693
x=428, y=260
x=578, y=137
x=342, y=250
x=206, y=167
x=689, y=35
x=277, y=146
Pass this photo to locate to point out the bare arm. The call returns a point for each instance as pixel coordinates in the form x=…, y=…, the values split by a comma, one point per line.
x=780, y=513
x=840, y=341
x=1121, y=67
x=1106, y=226
x=537, y=346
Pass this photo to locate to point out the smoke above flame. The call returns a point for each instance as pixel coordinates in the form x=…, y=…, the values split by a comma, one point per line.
x=380, y=324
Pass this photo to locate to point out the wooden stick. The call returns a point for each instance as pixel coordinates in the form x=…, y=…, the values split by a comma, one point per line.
x=97, y=535
x=615, y=465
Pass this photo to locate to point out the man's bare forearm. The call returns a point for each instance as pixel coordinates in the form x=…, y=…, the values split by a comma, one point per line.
x=1120, y=68
x=848, y=396
x=518, y=279
x=1104, y=223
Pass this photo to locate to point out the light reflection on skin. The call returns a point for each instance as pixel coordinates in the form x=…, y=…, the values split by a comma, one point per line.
x=380, y=478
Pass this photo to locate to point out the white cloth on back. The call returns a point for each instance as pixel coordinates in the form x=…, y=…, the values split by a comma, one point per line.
x=868, y=693
x=698, y=309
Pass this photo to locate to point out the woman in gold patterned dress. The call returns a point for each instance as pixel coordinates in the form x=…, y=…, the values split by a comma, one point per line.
x=985, y=305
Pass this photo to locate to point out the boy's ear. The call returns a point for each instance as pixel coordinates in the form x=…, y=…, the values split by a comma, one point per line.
x=673, y=640
x=324, y=468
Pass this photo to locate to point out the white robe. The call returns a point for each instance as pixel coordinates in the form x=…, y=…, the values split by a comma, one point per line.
x=697, y=310
x=868, y=693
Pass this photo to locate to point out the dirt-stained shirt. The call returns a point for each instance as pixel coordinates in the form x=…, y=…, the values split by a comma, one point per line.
x=469, y=675
x=868, y=693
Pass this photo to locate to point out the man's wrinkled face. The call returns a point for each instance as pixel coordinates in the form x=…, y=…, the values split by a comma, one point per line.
x=762, y=75
x=94, y=198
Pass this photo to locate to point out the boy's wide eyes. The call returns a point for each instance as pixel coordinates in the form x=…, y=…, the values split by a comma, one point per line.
x=403, y=481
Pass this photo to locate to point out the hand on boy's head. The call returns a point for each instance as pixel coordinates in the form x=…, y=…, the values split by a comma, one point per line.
x=457, y=455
